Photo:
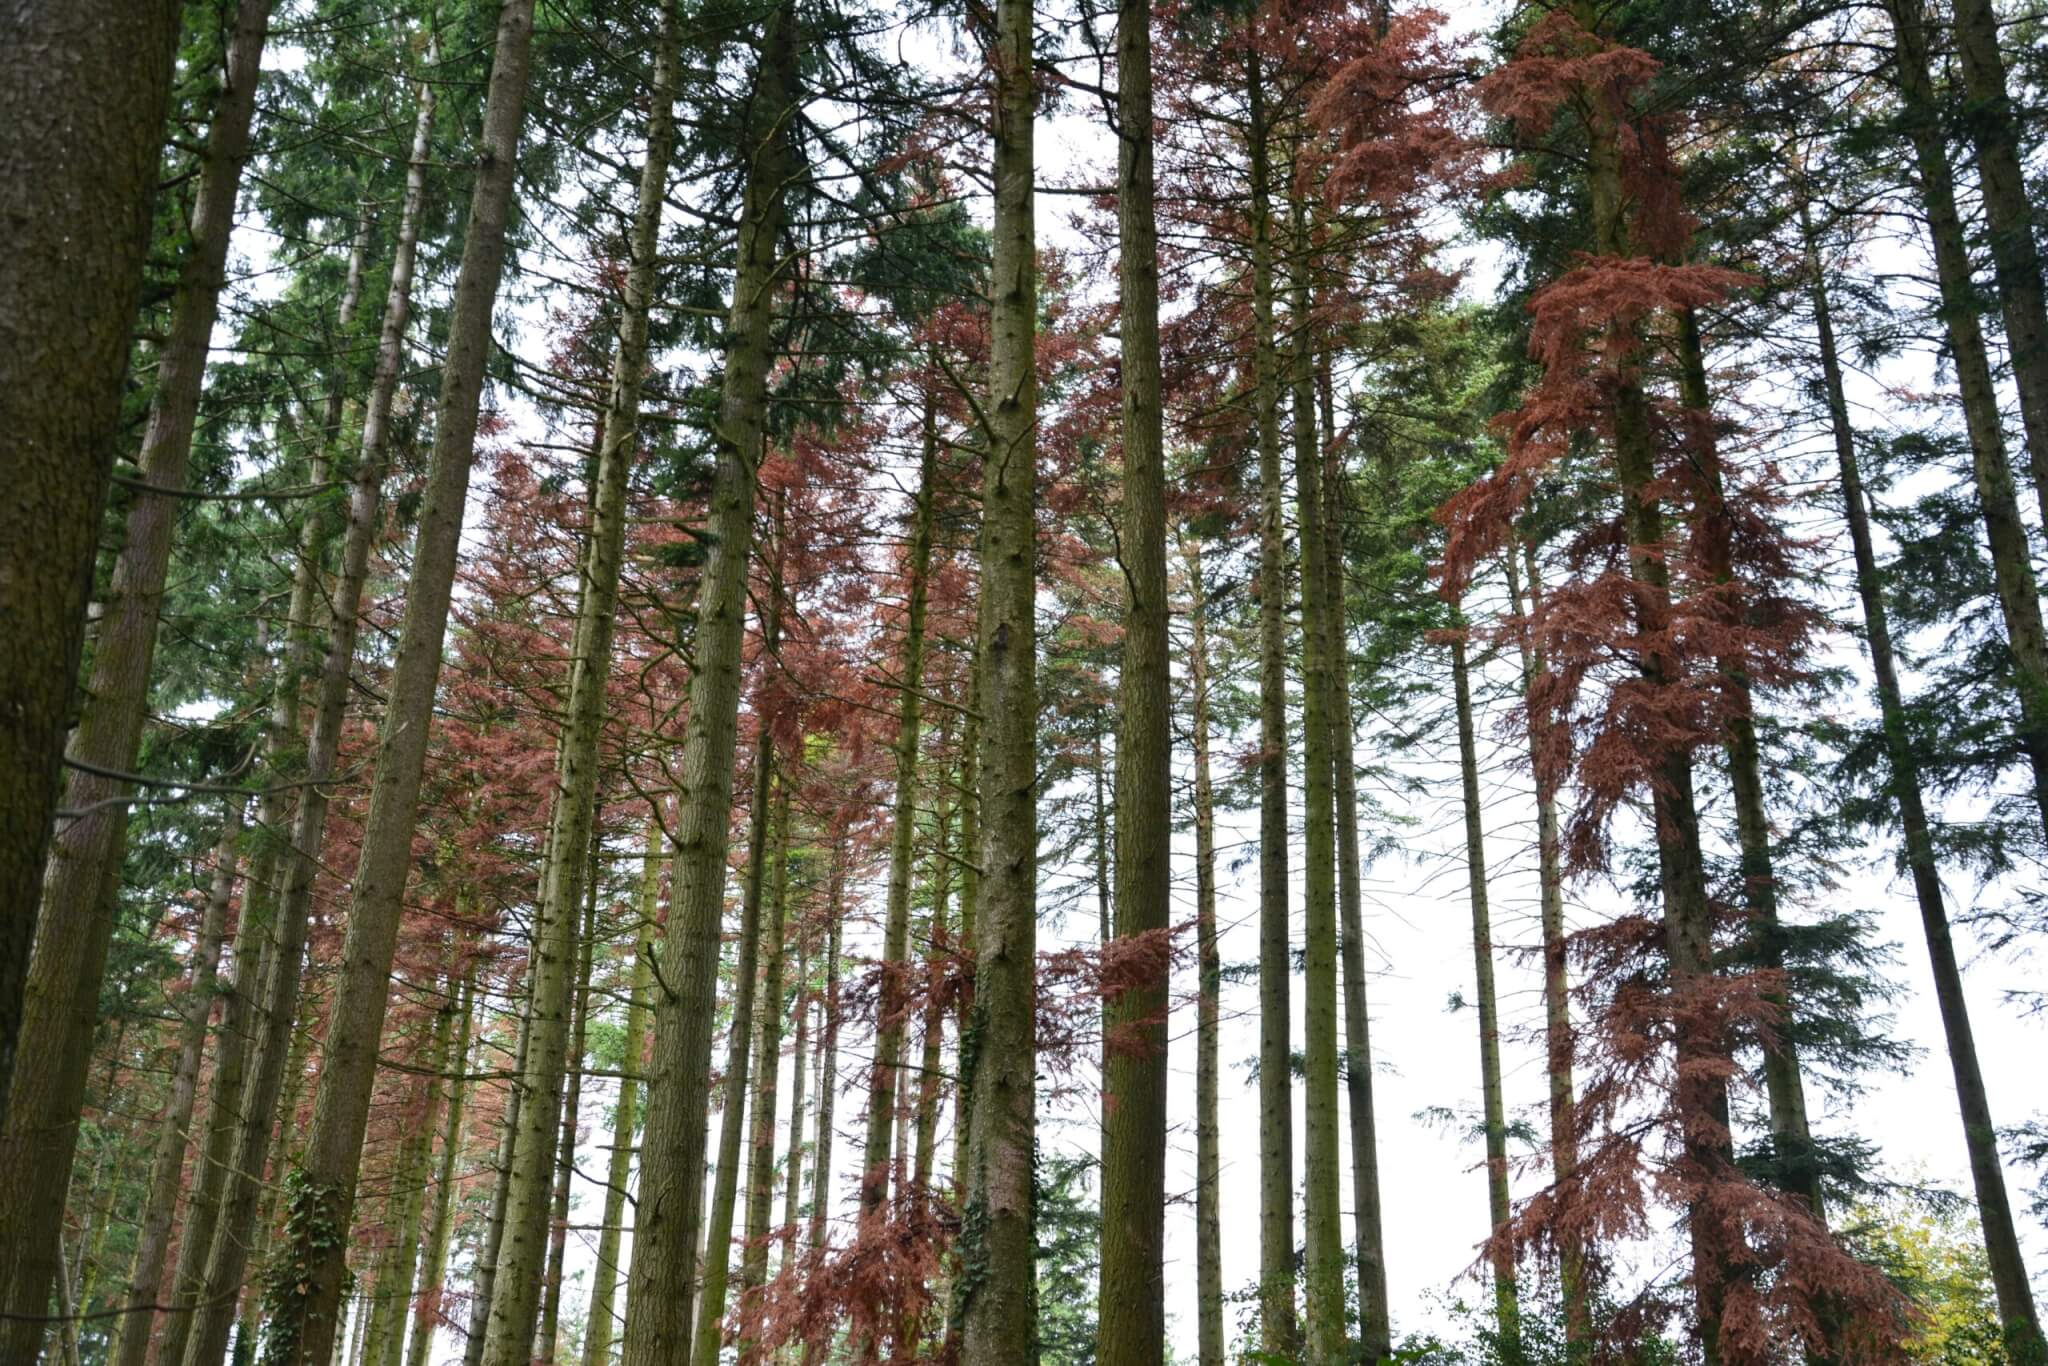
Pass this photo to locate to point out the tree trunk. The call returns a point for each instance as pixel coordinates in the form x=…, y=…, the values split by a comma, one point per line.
x=828, y=1064
x=434, y=1258
x=2009, y=217
x=600, y=1328
x=1998, y=498
x=548, y=1349
x=1506, y=1302
x=323, y=1199
x=486, y=1286
x=672, y=1166
x=799, y=1054
x=1278, y=1332
x=83, y=91
x=996, y=1295
x=767, y=1065
x=2016, y=1307
x=894, y=1006
x=167, y=1171
x=1375, y=1328
x=61, y=991
x=970, y=900
x=1208, y=1008
x=408, y=1203
x=1558, y=1044
x=938, y=943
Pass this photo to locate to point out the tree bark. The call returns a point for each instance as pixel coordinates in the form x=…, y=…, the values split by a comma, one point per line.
x=486, y=1286
x=828, y=1065
x=61, y=989
x=323, y=1196
x=1133, y=1274
x=600, y=1327
x=407, y=1202
x=434, y=1257
x=672, y=1167
x=996, y=1294
x=767, y=1064
x=799, y=1056
x=2016, y=1307
x=1209, y=969
x=83, y=91
x=1279, y=1333
x=548, y=1346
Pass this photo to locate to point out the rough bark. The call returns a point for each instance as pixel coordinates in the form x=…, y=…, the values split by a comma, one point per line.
x=1278, y=1331
x=2016, y=1306
x=83, y=90
x=61, y=991
x=303, y=1321
x=996, y=1294
x=1134, y=1128
x=671, y=1189
x=600, y=1327
x=1506, y=1301
x=1208, y=1006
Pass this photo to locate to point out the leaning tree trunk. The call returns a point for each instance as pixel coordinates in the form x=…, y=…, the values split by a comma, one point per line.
x=1997, y=496
x=997, y=1301
x=434, y=1255
x=1133, y=1274
x=322, y=1200
x=61, y=991
x=83, y=90
x=219, y=1262
x=894, y=1006
x=599, y=1326
x=672, y=1165
x=1506, y=1301
x=2016, y=1307
x=767, y=1064
x=1278, y=1331
x=1208, y=1007
x=1374, y=1318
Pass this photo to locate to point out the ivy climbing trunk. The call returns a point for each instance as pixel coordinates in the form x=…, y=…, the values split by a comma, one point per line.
x=322, y=1197
x=61, y=990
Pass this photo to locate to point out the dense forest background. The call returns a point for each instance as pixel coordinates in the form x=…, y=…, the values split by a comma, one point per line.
x=779, y=680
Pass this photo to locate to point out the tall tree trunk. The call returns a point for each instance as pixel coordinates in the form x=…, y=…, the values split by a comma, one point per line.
x=1784, y=1080
x=1558, y=1044
x=2016, y=1307
x=1506, y=1301
x=799, y=1056
x=828, y=1063
x=1208, y=1006
x=672, y=1165
x=767, y=1066
x=894, y=1005
x=1374, y=1317
x=970, y=901
x=740, y=1034
x=323, y=1199
x=600, y=1327
x=409, y=1199
x=996, y=1297
x=1278, y=1331
x=485, y=1289
x=2015, y=256
x=61, y=991
x=167, y=1170
x=548, y=1348
x=1322, y=1200
x=938, y=943
x=1998, y=498
x=83, y=91
x=434, y=1256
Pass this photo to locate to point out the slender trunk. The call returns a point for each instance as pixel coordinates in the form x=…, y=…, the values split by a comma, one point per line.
x=434, y=1257
x=1506, y=1302
x=799, y=1055
x=61, y=989
x=2016, y=1307
x=970, y=901
x=153, y=1232
x=1279, y=1333
x=2010, y=218
x=828, y=1065
x=1558, y=1043
x=408, y=1201
x=548, y=1348
x=1998, y=498
x=997, y=1300
x=739, y=1042
x=767, y=1064
x=486, y=1286
x=1209, y=967
x=938, y=943
x=1375, y=1327
x=671, y=1200
x=600, y=1328
x=83, y=91
x=894, y=1006
x=1105, y=929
